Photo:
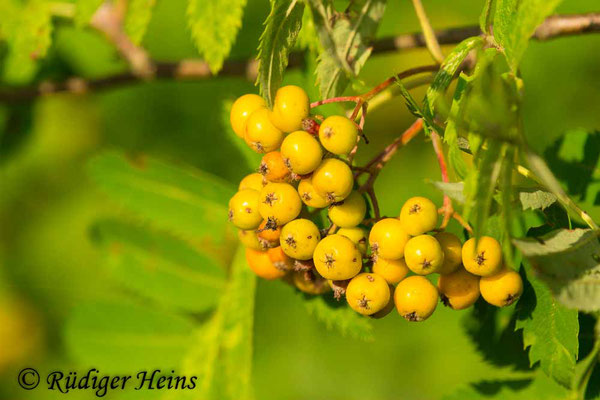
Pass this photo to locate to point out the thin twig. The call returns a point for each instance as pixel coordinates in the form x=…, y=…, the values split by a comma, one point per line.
x=447, y=208
x=430, y=39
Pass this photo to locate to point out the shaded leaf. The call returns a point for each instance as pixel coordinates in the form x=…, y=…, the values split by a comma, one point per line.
x=536, y=199
x=513, y=388
x=137, y=18
x=455, y=156
x=454, y=190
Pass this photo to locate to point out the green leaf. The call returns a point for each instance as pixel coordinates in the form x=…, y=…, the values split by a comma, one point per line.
x=487, y=16
x=569, y=262
x=514, y=388
x=123, y=337
x=454, y=190
x=516, y=21
x=411, y=104
x=214, y=25
x=278, y=38
x=307, y=37
x=536, y=199
x=137, y=18
x=550, y=330
x=85, y=10
x=183, y=201
x=160, y=267
x=455, y=156
x=339, y=316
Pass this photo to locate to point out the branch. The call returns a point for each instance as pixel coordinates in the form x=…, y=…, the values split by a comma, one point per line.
x=554, y=27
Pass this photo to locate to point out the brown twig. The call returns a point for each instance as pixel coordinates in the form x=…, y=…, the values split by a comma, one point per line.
x=554, y=27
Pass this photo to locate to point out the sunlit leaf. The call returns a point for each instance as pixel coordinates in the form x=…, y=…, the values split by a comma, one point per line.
x=85, y=10
x=536, y=199
x=139, y=13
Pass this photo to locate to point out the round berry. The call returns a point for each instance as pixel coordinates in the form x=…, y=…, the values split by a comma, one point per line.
x=279, y=202
x=459, y=289
x=280, y=260
x=337, y=258
x=349, y=212
x=302, y=152
x=338, y=134
x=261, y=135
x=241, y=110
x=486, y=260
x=250, y=239
x=309, y=195
x=273, y=168
x=269, y=231
x=423, y=255
x=418, y=215
x=333, y=180
x=415, y=298
x=388, y=238
x=290, y=107
x=253, y=181
x=367, y=293
x=244, y=209
x=452, y=249
x=393, y=271
x=261, y=264
x=299, y=238
x=501, y=289
x=388, y=307
x=310, y=283
x=358, y=237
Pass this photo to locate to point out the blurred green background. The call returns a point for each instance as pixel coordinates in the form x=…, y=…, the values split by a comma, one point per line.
x=48, y=203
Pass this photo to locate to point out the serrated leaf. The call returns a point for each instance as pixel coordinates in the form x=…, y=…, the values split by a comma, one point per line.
x=85, y=10
x=160, y=267
x=183, y=201
x=137, y=18
x=536, y=199
x=339, y=316
x=410, y=102
x=454, y=190
x=278, y=38
x=513, y=388
x=214, y=25
x=550, y=331
x=569, y=262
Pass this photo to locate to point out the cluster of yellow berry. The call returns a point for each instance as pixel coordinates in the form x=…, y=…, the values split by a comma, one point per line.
x=303, y=164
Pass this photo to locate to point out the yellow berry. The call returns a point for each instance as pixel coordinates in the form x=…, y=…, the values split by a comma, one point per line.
x=389, y=307
x=310, y=283
x=302, y=152
x=501, y=289
x=269, y=231
x=486, y=260
x=418, y=215
x=249, y=239
x=279, y=202
x=393, y=271
x=273, y=168
x=388, y=238
x=452, y=249
x=309, y=195
x=261, y=135
x=253, y=181
x=415, y=298
x=280, y=260
x=338, y=134
x=358, y=237
x=241, y=110
x=299, y=238
x=423, y=255
x=337, y=258
x=333, y=180
x=459, y=289
x=261, y=264
x=367, y=293
x=349, y=212
x=244, y=209
x=290, y=107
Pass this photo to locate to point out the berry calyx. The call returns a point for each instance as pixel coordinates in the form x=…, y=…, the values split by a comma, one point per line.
x=333, y=180
x=501, y=289
x=415, y=298
x=367, y=293
x=452, y=249
x=244, y=209
x=273, y=168
x=418, y=216
x=299, y=238
x=301, y=152
x=290, y=107
x=423, y=255
x=269, y=231
x=486, y=260
x=459, y=289
x=388, y=238
x=349, y=212
x=337, y=258
x=241, y=110
x=338, y=134
x=279, y=202
x=261, y=135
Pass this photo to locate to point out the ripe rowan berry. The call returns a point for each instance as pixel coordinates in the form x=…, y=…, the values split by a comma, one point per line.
x=388, y=307
x=338, y=134
x=367, y=293
x=311, y=283
x=452, y=249
x=253, y=181
x=301, y=152
x=501, y=289
x=244, y=209
x=418, y=215
x=241, y=110
x=415, y=298
x=349, y=212
x=486, y=260
x=459, y=289
x=280, y=260
x=261, y=264
x=358, y=237
x=299, y=238
x=337, y=258
x=290, y=107
x=423, y=255
x=273, y=168
x=393, y=271
x=250, y=239
x=333, y=180
x=269, y=231
x=261, y=135
x=388, y=238
x=279, y=202
x=309, y=195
